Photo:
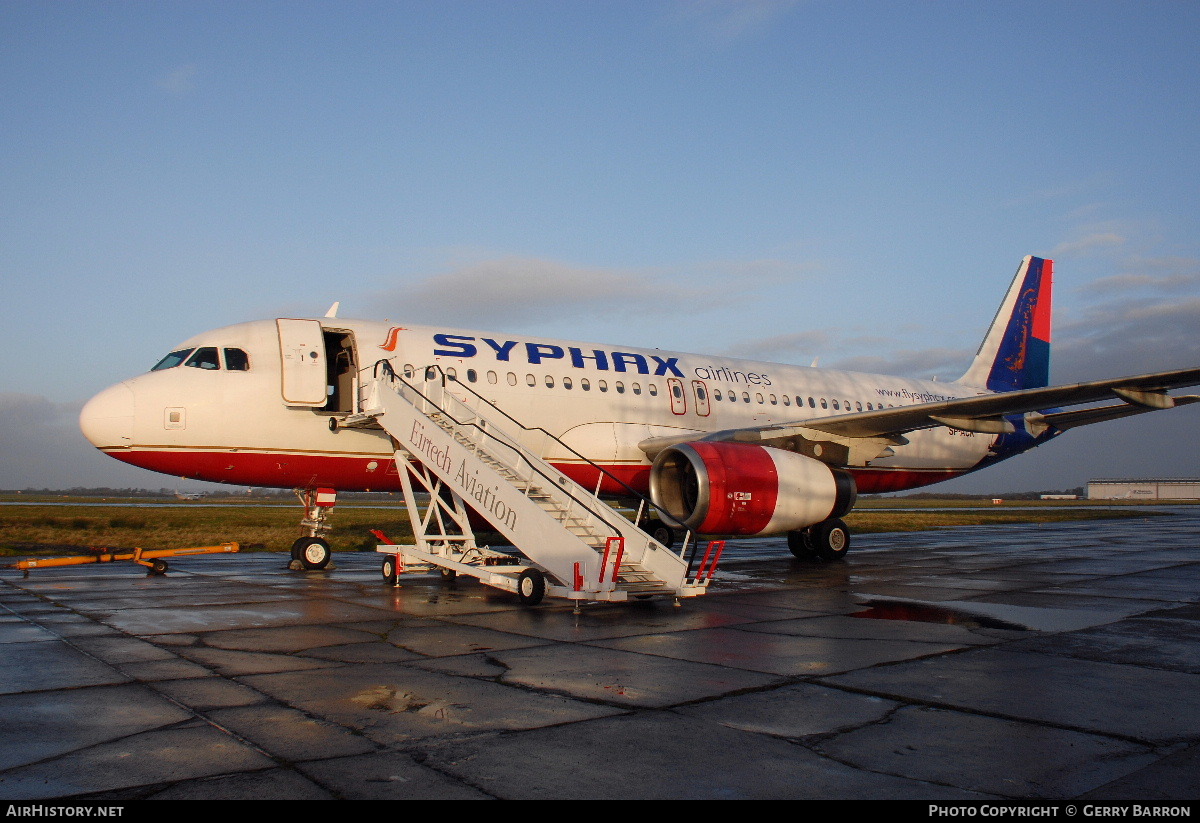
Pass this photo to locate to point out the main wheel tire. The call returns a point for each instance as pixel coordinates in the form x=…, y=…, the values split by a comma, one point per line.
x=312, y=552
x=831, y=539
x=388, y=569
x=800, y=544
x=531, y=587
x=661, y=532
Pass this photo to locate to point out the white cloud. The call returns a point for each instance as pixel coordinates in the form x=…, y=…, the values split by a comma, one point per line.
x=945, y=364
x=519, y=290
x=1128, y=337
x=784, y=347
x=1089, y=244
x=1163, y=275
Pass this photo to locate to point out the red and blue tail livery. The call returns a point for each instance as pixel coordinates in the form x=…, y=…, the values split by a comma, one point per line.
x=1015, y=354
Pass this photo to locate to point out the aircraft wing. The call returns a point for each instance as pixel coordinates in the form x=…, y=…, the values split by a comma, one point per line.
x=984, y=413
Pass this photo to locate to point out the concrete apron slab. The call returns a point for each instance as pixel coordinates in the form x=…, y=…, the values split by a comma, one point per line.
x=1001, y=663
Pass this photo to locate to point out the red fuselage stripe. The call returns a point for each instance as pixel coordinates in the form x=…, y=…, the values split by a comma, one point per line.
x=355, y=473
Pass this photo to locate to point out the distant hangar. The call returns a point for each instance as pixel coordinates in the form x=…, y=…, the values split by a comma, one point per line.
x=1171, y=488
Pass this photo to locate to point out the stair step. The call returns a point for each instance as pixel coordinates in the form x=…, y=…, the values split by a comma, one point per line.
x=577, y=522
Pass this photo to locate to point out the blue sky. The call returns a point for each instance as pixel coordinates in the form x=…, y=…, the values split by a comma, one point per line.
x=854, y=181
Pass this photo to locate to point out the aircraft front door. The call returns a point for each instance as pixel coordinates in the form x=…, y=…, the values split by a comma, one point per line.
x=302, y=362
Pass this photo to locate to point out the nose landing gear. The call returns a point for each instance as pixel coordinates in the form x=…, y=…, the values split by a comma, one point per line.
x=312, y=552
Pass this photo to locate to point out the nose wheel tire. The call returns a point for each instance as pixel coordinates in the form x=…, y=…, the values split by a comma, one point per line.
x=531, y=587
x=312, y=552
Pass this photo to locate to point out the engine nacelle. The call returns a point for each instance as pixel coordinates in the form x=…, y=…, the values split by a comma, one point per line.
x=743, y=488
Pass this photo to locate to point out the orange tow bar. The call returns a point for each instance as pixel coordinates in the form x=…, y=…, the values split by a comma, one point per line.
x=152, y=559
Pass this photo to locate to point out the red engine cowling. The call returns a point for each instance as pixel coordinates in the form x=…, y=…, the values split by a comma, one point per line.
x=742, y=488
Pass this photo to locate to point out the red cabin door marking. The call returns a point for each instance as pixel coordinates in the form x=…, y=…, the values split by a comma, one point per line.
x=678, y=398
x=702, y=402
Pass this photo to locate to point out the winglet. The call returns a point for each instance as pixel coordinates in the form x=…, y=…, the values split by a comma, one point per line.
x=1015, y=354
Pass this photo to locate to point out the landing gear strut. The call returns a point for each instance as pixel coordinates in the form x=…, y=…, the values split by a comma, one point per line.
x=312, y=551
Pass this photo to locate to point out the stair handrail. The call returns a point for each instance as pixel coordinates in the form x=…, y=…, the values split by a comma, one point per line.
x=386, y=367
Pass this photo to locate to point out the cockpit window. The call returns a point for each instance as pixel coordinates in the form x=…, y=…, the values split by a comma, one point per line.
x=172, y=360
x=204, y=358
x=236, y=360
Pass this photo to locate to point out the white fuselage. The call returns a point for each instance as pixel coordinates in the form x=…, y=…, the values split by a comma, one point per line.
x=237, y=418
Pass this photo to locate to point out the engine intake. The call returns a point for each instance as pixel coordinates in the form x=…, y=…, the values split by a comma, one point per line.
x=743, y=488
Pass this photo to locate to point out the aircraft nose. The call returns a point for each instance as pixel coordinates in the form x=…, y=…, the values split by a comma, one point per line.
x=107, y=419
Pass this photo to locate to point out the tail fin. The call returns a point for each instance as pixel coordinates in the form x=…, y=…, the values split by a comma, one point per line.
x=1015, y=354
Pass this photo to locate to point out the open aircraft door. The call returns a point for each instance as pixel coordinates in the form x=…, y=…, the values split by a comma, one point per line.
x=302, y=358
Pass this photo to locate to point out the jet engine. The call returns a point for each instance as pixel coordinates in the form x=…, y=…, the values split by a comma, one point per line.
x=743, y=488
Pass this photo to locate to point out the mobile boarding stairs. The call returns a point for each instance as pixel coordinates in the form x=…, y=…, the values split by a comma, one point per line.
x=465, y=453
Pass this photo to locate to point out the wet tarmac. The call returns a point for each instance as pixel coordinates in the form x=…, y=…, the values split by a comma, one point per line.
x=1056, y=661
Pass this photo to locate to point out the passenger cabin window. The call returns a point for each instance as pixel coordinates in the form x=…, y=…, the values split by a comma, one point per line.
x=204, y=358
x=236, y=360
x=172, y=360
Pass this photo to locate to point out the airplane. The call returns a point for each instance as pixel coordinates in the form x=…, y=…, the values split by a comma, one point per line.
x=720, y=446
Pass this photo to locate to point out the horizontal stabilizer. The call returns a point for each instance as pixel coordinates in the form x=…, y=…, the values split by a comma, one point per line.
x=1061, y=421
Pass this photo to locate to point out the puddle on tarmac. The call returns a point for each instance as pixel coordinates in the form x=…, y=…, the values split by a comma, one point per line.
x=927, y=613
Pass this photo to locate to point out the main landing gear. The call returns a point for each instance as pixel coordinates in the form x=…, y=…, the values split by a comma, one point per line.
x=828, y=540
x=661, y=532
x=312, y=552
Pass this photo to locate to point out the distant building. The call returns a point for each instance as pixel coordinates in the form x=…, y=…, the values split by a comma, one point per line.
x=1170, y=488
x=1058, y=497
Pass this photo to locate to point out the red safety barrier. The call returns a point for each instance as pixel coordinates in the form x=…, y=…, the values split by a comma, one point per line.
x=608, y=544
x=706, y=570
